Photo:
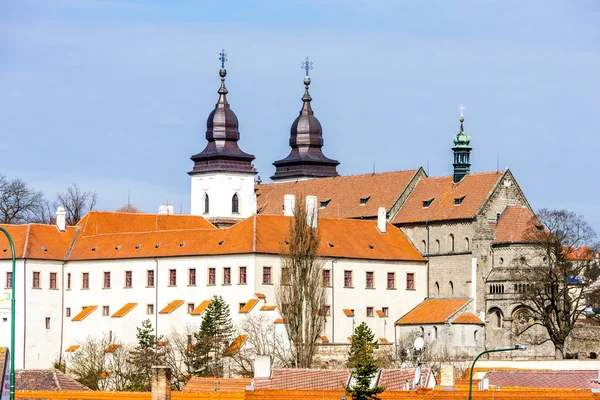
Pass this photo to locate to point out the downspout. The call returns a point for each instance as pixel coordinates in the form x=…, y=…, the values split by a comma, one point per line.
x=427, y=226
x=62, y=312
x=333, y=262
x=156, y=297
x=24, y=309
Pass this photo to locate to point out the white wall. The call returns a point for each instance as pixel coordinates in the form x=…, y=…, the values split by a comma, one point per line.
x=220, y=188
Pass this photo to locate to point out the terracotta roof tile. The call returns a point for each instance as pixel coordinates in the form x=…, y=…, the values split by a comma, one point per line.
x=248, y=306
x=344, y=192
x=201, y=308
x=305, y=379
x=44, y=242
x=381, y=314
x=111, y=348
x=211, y=385
x=395, y=379
x=236, y=345
x=279, y=321
x=467, y=318
x=543, y=378
x=515, y=225
x=84, y=313
x=268, y=308
x=172, y=306
x=433, y=311
x=49, y=380
x=348, y=312
x=324, y=339
x=583, y=253
x=383, y=340
x=260, y=295
x=473, y=190
x=71, y=349
x=124, y=310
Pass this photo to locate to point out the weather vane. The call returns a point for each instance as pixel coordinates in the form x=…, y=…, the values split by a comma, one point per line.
x=462, y=109
x=307, y=65
x=222, y=58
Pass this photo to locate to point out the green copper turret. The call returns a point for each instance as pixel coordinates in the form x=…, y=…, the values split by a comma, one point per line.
x=462, y=154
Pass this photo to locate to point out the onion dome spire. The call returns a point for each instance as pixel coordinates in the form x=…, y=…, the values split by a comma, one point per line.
x=222, y=152
x=462, y=151
x=306, y=159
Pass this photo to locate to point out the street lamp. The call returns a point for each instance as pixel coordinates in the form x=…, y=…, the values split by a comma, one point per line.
x=521, y=347
x=12, y=314
x=589, y=311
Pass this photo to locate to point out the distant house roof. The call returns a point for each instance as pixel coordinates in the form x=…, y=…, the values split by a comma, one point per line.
x=439, y=198
x=211, y=385
x=355, y=196
x=129, y=208
x=467, y=318
x=544, y=379
x=46, y=380
x=433, y=311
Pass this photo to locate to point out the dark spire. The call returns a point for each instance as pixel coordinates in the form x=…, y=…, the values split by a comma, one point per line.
x=222, y=152
x=462, y=151
x=306, y=159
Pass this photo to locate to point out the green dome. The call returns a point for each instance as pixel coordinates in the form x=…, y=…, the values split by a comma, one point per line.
x=461, y=140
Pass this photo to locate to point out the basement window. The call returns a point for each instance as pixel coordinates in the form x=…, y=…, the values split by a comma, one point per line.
x=458, y=201
x=324, y=203
x=363, y=200
x=427, y=203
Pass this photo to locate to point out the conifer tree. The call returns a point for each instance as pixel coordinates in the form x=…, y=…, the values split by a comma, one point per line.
x=360, y=358
x=144, y=356
x=215, y=334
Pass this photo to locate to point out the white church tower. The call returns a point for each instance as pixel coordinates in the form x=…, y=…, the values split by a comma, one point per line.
x=223, y=175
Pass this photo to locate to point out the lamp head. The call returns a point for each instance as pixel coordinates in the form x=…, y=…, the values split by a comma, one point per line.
x=589, y=311
x=419, y=343
x=521, y=347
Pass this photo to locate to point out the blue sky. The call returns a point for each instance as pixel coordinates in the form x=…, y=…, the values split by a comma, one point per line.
x=113, y=95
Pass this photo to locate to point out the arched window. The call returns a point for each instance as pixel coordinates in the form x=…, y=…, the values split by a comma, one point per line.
x=495, y=317
x=437, y=246
x=235, y=204
x=423, y=247
x=476, y=336
x=451, y=288
x=467, y=244
x=422, y=332
x=206, y=203
x=435, y=332
x=437, y=289
x=451, y=242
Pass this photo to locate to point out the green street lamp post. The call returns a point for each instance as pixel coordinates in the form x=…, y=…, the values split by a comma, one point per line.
x=12, y=314
x=517, y=347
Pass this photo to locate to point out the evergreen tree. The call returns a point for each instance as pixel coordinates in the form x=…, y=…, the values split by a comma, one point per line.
x=145, y=355
x=360, y=358
x=215, y=334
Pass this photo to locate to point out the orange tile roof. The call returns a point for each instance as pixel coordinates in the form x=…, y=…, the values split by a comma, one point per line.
x=124, y=310
x=433, y=311
x=111, y=348
x=104, y=222
x=222, y=385
x=248, y=306
x=344, y=192
x=260, y=295
x=475, y=189
x=84, y=313
x=324, y=339
x=467, y=318
x=348, y=312
x=236, y=345
x=516, y=225
x=200, y=309
x=583, y=253
x=172, y=306
x=37, y=241
x=268, y=308
x=297, y=378
x=71, y=349
x=381, y=313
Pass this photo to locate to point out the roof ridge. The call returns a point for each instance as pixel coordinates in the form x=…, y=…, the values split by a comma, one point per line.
x=56, y=381
x=26, y=241
x=72, y=243
x=339, y=177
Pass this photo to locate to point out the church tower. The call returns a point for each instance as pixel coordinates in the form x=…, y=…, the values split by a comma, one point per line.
x=223, y=175
x=306, y=160
x=462, y=152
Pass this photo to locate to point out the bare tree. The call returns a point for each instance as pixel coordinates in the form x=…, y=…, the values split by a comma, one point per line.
x=88, y=363
x=549, y=275
x=18, y=203
x=301, y=296
x=178, y=356
x=76, y=203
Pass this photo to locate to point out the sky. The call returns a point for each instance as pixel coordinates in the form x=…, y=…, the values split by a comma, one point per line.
x=113, y=95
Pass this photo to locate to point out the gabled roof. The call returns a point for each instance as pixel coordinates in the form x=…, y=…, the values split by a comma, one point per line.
x=434, y=199
x=304, y=379
x=47, y=380
x=433, y=311
x=544, y=378
x=515, y=225
x=344, y=192
x=467, y=318
x=37, y=241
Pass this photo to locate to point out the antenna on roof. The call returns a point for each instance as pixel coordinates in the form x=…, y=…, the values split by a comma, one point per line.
x=427, y=167
x=373, y=166
x=498, y=163
x=181, y=207
x=128, y=197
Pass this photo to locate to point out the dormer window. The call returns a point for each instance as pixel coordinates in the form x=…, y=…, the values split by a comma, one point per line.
x=363, y=200
x=458, y=200
x=427, y=203
x=324, y=203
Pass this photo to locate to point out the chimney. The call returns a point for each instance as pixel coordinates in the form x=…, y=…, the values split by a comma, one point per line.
x=262, y=366
x=312, y=213
x=381, y=219
x=289, y=204
x=61, y=219
x=166, y=209
x=161, y=383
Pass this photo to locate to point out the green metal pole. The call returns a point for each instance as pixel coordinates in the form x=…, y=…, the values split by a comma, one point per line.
x=473, y=366
x=12, y=314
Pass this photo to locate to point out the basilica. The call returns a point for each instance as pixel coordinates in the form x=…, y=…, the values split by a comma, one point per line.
x=407, y=253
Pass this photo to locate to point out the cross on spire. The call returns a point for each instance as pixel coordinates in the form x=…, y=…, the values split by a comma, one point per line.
x=222, y=58
x=462, y=109
x=307, y=65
